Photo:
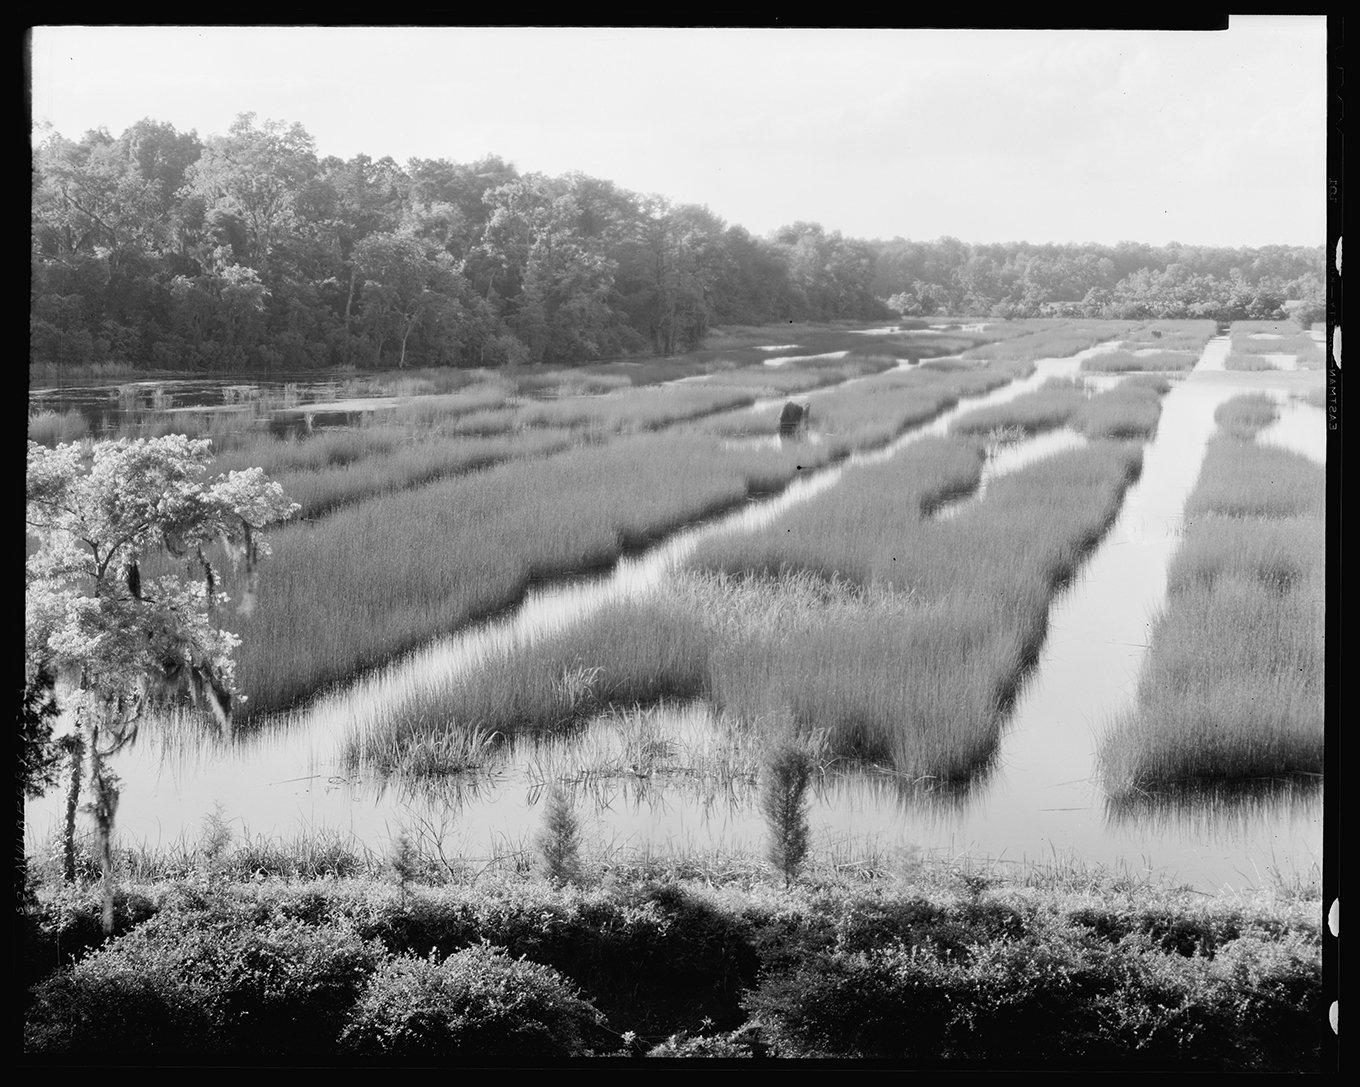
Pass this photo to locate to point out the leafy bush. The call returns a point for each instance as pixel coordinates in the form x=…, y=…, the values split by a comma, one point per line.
x=478, y=1003
x=210, y=986
x=735, y=1044
x=1050, y=995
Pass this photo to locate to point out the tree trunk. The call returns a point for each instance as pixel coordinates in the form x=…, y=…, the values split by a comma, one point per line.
x=105, y=806
x=76, y=749
x=353, y=273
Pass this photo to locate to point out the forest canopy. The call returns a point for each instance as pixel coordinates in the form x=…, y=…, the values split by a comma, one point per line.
x=159, y=250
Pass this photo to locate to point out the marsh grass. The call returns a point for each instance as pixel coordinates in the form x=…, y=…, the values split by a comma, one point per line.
x=395, y=564
x=1232, y=688
x=1051, y=339
x=630, y=653
x=632, y=409
x=53, y=428
x=594, y=697
x=1130, y=410
x=1311, y=357
x=678, y=747
x=1250, y=362
x=390, y=468
x=878, y=409
x=1269, y=338
x=743, y=342
x=387, y=574
x=1126, y=361
x=1049, y=406
x=925, y=686
x=1251, y=339
x=1173, y=336
x=1244, y=479
x=796, y=377
x=1246, y=416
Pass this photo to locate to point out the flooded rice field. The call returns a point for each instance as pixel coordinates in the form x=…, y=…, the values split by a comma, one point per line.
x=673, y=778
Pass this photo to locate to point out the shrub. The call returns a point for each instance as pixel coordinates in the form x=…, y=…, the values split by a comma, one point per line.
x=784, y=803
x=478, y=1003
x=730, y=1045
x=559, y=839
x=1049, y=996
x=210, y=986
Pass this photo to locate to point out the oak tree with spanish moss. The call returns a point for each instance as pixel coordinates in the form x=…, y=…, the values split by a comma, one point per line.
x=107, y=640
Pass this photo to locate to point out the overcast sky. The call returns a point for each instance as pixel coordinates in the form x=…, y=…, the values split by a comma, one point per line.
x=988, y=136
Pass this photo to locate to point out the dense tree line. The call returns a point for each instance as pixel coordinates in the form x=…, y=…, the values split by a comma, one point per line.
x=246, y=251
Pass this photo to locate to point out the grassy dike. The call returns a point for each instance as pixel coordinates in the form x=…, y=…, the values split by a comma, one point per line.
x=1232, y=688
x=247, y=955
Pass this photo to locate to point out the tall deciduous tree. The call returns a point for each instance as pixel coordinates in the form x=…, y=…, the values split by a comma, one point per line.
x=254, y=175
x=405, y=284
x=112, y=639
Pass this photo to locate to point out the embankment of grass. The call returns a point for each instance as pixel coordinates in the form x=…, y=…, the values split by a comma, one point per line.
x=1068, y=970
x=744, y=344
x=925, y=688
x=389, y=573
x=1049, y=406
x=673, y=644
x=1255, y=338
x=341, y=467
x=1130, y=410
x=1251, y=363
x=1243, y=479
x=1232, y=687
x=1052, y=339
x=1173, y=336
x=878, y=409
x=1116, y=362
x=1246, y=416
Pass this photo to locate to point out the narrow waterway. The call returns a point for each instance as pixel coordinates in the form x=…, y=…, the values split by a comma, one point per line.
x=1042, y=804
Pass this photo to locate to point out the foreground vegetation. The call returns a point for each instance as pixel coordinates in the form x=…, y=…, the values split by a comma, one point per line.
x=1232, y=688
x=248, y=955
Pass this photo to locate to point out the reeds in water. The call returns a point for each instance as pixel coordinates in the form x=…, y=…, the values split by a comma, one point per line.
x=53, y=428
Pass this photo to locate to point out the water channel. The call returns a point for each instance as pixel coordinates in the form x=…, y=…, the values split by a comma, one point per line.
x=1042, y=804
